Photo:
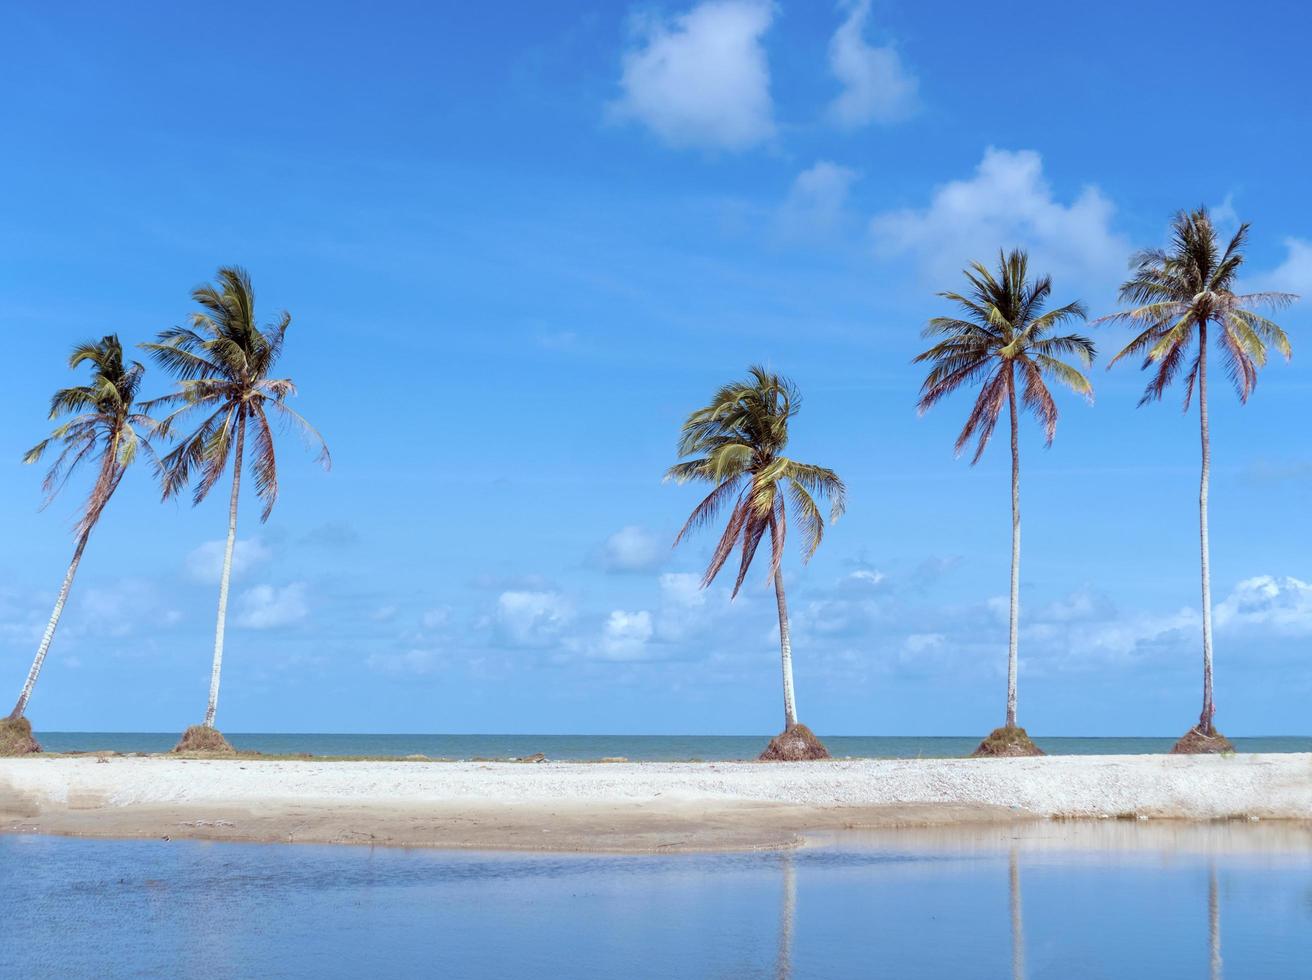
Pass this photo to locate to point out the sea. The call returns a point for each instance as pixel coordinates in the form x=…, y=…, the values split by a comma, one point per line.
x=1135, y=903
x=637, y=748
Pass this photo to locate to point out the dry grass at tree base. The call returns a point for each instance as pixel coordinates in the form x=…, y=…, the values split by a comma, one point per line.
x=16, y=737
x=202, y=738
x=1196, y=743
x=797, y=744
x=1006, y=742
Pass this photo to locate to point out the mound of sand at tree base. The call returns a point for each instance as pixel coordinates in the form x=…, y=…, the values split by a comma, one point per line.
x=1007, y=742
x=202, y=738
x=1196, y=743
x=16, y=737
x=797, y=744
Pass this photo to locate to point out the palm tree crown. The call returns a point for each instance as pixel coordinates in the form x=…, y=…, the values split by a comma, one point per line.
x=104, y=425
x=1003, y=331
x=738, y=441
x=223, y=362
x=1177, y=292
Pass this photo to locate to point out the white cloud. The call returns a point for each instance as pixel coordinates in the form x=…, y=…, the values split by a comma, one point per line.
x=205, y=563
x=414, y=661
x=702, y=79
x=1267, y=604
x=531, y=619
x=877, y=87
x=437, y=618
x=1294, y=274
x=269, y=607
x=634, y=549
x=121, y=609
x=817, y=202
x=626, y=635
x=1007, y=203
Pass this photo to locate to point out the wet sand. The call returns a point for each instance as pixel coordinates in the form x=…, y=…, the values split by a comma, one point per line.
x=629, y=807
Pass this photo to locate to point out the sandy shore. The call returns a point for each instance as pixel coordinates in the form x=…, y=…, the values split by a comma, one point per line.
x=624, y=806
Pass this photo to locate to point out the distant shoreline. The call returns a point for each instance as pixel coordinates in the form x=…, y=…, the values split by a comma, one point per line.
x=624, y=807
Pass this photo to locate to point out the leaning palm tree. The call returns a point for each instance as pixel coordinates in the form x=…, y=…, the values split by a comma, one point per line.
x=737, y=443
x=1003, y=340
x=106, y=428
x=1177, y=293
x=223, y=362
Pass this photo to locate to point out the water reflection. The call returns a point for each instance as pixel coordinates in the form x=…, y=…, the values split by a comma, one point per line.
x=1092, y=903
x=1214, y=921
x=1017, y=920
x=787, y=915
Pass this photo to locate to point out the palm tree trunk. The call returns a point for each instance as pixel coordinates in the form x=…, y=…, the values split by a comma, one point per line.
x=785, y=651
x=1205, y=722
x=1013, y=641
x=49, y=634
x=227, y=573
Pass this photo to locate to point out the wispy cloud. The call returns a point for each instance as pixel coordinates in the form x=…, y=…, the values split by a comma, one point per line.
x=877, y=87
x=205, y=563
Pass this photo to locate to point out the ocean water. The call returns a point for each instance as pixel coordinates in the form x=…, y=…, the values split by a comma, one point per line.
x=890, y=906
x=661, y=748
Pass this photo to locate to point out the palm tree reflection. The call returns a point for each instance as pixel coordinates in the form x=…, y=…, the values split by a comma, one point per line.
x=784, y=964
x=1017, y=922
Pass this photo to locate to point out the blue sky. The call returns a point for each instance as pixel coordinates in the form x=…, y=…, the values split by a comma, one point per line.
x=520, y=243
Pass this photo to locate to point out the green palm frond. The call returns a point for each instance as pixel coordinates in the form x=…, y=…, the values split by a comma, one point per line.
x=1177, y=292
x=1005, y=338
x=223, y=362
x=105, y=426
x=737, y=441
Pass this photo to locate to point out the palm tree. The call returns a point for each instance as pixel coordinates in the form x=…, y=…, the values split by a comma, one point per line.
x=223, y=362
x=1004, y=341
x=1177, y=293
x=737, y=443
x=103, y=429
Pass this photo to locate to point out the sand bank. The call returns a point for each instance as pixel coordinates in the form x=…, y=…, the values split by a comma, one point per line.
x=624, y=806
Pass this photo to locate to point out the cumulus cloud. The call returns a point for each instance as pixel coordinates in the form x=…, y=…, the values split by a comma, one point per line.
x=531, y=619
x=266, y=607
x=625, y=635
x=634, y=549
x=1267, y=604
x=1006, y=203
x=1294, y=274
x=877, y=87
x=205, y=563
x=701, y=79
x=816, y=205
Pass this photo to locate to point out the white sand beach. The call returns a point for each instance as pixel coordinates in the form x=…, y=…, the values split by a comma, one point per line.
x=624, y=806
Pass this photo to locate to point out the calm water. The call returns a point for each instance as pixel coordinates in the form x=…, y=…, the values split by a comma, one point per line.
x=636, y=747
x=895, y=907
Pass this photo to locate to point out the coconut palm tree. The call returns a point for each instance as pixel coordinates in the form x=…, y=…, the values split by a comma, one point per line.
x=1003, y=341
x=223, y=362
x=1176, y=294
x=106, y=428
x=736, y=443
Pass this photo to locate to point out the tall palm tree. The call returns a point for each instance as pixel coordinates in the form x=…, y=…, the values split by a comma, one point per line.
x=1176, y=294
x=223, y=362
x=104, y=429
x=737, y=443
x=1004, y=341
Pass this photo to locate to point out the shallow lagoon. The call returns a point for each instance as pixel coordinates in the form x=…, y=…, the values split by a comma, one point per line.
x=1105, y=900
